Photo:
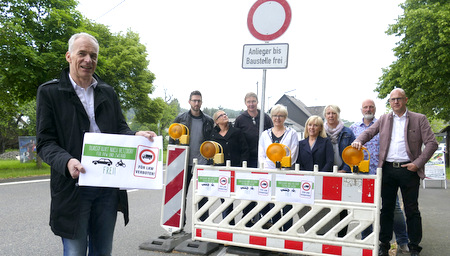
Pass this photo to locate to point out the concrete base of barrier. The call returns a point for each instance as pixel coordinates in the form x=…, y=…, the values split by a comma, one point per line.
x=197, y=247
x=245, y=251
x=165, y=243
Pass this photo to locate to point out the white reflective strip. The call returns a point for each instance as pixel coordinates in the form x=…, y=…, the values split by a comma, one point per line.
x=241, y=238
x=176, y=167
x=312, y=247
x=352, y=251
x=172, y=207
x=275, y=242
x=352, y=190
x=318, y=186
x=209, y=233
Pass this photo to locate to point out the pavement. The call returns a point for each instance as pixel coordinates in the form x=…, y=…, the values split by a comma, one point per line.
x=25, y=227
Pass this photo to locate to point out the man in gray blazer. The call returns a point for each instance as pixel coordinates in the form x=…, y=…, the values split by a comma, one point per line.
x=402, y=134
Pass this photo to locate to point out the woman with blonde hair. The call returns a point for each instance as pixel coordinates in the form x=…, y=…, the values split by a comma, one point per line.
x=287, y=136
x=340, y=136
x=316, y=148
x=279, y=133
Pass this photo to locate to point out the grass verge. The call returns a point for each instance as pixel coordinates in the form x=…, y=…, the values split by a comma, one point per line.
x=15, y=169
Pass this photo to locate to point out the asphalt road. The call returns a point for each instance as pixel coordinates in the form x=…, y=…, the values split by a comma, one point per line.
x=24, y=215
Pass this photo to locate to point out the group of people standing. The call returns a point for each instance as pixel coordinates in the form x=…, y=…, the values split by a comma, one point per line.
x=394, y=143
x=79, y=101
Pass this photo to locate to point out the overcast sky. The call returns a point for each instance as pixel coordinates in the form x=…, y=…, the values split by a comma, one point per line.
x=336, y=49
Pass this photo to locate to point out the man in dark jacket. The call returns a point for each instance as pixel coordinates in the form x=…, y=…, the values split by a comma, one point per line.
x=200, y=127
x=80, y=102
x=248, y=122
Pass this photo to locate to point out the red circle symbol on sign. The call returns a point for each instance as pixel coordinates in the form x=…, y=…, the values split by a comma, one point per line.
x=264, y=183
x=147, y=156
x=269, y=19
x=223, y=181
x=306, y=186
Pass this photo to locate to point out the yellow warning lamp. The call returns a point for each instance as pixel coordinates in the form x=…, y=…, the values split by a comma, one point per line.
x=180, y=133
x=355, y=159
x=212, y=150
x=279, y=154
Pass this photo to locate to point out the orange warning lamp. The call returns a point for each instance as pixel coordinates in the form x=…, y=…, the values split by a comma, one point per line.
x=279, y=154
x=179, y=132
x=355, y=159
x=212, y=150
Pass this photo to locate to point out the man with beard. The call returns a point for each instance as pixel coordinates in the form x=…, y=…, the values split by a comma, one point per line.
x=200, y=127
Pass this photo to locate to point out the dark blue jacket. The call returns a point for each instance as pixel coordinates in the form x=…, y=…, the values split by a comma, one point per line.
x=346, y=137
x=321, y=154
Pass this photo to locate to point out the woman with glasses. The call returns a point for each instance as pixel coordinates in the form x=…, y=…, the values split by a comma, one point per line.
x=230, y=138
x=287, y=136
x=233, y=143
x=279, y=133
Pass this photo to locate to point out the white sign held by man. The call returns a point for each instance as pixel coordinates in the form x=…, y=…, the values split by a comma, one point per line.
x=122, y=161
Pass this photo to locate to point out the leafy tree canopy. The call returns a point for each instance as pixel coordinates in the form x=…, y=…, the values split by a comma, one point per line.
x=33, y=41
x=422, y=67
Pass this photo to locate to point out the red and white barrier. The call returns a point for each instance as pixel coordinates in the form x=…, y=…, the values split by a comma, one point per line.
x=174, y=189
x=315, y=226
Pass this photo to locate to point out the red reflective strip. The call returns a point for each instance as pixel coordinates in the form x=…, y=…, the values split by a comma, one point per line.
x=174, y=186
x=173, y=154
x=367, y=252
x=232, y=181
x=332, y=249
x=198, y=232
x=332, y=188
x=224, y=236
x=368, y=191
x=293, y=245
x=175, y=220
x=257, y=240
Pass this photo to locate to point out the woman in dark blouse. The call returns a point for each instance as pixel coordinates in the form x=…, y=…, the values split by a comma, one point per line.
x=233, y=143
x=316, y=148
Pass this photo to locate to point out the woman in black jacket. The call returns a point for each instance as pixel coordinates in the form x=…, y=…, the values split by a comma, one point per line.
x=230, y=138
x=233, y=143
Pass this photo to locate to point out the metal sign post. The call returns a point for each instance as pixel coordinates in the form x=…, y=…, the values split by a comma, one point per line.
x=267, y=20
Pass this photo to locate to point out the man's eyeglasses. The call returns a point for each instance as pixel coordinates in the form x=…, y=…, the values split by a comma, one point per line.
x=396, y=99
x=224, y=114
x=197, y=101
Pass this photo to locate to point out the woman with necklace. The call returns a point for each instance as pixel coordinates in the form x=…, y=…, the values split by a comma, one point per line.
x=279, y=133
x=287, y=136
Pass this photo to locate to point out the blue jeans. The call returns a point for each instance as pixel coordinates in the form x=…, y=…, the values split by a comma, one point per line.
x=97, y=220
x=399, y=226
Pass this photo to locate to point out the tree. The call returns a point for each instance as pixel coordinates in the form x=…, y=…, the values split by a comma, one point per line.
x=33, y=38
x=422, y=67
x=33, y=41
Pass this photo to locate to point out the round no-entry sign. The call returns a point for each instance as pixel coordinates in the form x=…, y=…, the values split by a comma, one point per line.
x=269, y=19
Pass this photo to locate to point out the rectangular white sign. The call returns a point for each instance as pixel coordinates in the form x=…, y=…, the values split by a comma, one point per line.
x=253, y=186
x=122, y=161
x=435, y=167
x=295, y=188
x=265, y=56
x=213, y=183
